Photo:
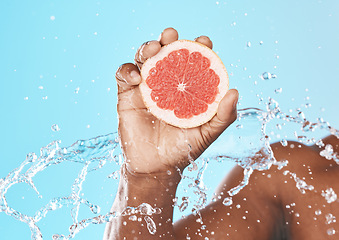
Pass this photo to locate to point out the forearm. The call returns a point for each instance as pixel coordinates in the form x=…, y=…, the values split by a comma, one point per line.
x=137, y=191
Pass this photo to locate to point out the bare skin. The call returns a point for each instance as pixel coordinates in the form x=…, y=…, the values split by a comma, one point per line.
x=270, y=207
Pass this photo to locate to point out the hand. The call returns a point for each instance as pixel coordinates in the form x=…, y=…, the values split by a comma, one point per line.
x=149, y=144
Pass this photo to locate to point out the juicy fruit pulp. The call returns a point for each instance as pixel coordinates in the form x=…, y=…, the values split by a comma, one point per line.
x=182, y=86
x=183, y=82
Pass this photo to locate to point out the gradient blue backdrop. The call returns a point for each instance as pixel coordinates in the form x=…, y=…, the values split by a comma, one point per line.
x=49, y=50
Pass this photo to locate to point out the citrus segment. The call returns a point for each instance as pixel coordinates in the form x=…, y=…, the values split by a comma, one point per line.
x=184, y=83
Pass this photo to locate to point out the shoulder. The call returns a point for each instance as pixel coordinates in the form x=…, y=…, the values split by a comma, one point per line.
x=305, y=183
x=299, y=155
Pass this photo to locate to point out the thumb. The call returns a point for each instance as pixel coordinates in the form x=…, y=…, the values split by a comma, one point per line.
x=226, y=115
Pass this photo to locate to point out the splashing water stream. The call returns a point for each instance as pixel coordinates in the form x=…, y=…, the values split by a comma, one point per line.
x=103, y=151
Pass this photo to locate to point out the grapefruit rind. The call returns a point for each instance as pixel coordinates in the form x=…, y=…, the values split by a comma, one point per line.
x=168, y=116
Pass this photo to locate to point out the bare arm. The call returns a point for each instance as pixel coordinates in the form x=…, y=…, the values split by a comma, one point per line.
x=153, y=151
x=255, y=212
x=152, y=148
x=148, y=192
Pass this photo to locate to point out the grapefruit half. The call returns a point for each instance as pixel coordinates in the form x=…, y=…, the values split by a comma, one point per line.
x=184, y=83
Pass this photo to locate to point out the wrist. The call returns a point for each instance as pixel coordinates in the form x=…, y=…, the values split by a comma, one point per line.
x=144, y=196
x=168, y=179
x=156, y=189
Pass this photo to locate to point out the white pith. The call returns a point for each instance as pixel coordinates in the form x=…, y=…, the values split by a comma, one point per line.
x=168, y=115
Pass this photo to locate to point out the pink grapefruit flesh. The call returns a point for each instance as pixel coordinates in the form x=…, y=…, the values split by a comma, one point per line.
x=184, y=83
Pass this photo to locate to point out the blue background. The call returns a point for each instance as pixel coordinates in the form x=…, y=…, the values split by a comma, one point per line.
x=86, y=42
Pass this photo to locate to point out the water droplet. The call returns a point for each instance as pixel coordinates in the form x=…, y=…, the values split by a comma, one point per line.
x=267, y=76
x=55, y=128
x=261, y=42
x=331, y=231
x=317, y=212
x=58, y=237
x=329, y=195
x=278, y=90
x=95, y=209
x=25, y=98
x=330, y=218
x=248, y=44
x=52, y=18
x=327, y=152
x=133, y=218
x=41, y=87
x=77, y=90
x=227, y=201
x=150, y=225
x=184, y=204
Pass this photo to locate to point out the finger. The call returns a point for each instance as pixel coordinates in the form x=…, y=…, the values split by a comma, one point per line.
x=128, y=79
x=145, y=51
x=168, y=36
x=226, y=115
x=127, y=76
x=204, y=40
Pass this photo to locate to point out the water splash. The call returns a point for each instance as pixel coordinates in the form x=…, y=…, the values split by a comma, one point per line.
x=300, y=184
x=250, y=130
x=329, y=195
x=97, y=151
